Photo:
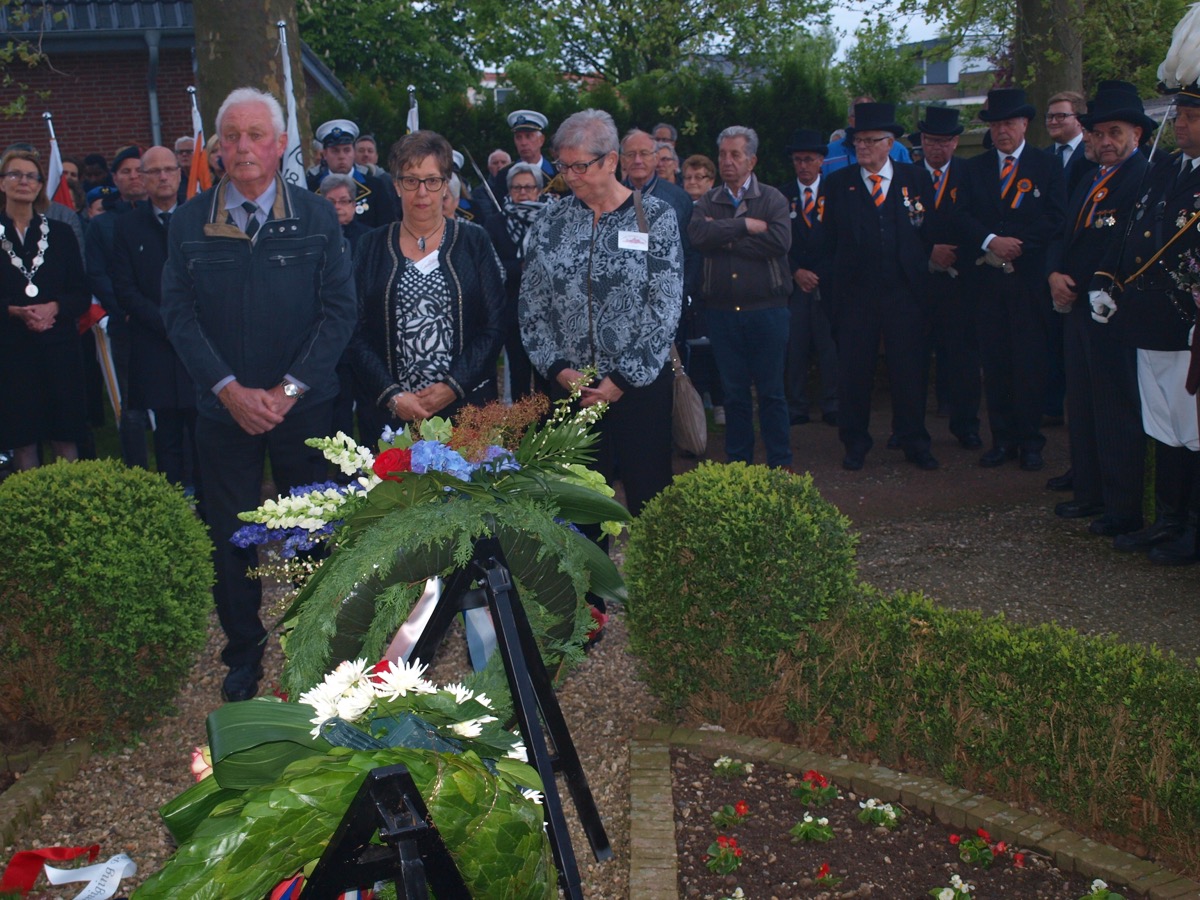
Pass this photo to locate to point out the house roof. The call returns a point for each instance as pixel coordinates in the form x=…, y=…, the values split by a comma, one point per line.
x=116, y=25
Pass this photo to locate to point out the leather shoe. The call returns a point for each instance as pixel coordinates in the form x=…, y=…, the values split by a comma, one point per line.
x=829, y=418
x=969, y=441
x=241, y=683
x=800, y=419
x=922, y=459
x=1031, y=461
x=1180, y=552
x=1159, y=532
x=852, y=462
x=893, y=443
x=1078, y=509
x=1063, y=482
x=1111, y=526
x=997, y=455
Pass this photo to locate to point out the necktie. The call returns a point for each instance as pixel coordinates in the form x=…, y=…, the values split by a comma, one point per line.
x=1007, y=174
x=165, y=218
x=251, y=209
x=808, y=206
x=877, y=189
x=1060, y=150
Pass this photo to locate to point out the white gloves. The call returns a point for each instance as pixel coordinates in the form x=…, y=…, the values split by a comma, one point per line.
x=1102, y=306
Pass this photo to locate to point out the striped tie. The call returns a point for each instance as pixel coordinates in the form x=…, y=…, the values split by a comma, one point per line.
x=877, y=190
x=809, y=203
x=937, y=188
x=251, y=209
x=1007, y=174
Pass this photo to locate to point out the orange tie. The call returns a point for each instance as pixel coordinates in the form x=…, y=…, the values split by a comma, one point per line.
x=877, y=190
x=1006, y=174
x=809, y=203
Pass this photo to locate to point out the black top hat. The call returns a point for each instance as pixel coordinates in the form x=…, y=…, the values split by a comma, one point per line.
x=875, y=117
x=1006, y=103
x=941, y=121
x=805, y=140
x=1117, y=101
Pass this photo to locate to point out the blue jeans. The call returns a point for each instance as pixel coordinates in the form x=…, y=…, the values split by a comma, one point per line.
x=750, y=347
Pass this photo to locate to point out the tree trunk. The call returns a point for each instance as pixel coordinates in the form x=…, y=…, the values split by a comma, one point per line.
x=1047, y=55
x=237, y=45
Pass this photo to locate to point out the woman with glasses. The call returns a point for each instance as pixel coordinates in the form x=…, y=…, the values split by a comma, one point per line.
x=602, y=291
x=508, y=232
x=430, y=297
x=43, y=291
x=340, y=190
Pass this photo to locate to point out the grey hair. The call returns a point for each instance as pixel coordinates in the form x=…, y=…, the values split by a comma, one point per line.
x=662, y=145
x=243, y=95
x=593, y=130
x=734, y=131
x=539, y=176
x=186, y=138
x=634, y=132
x=337, y=180
x=667, y=125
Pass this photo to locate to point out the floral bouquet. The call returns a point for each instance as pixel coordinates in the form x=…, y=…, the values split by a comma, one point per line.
x=1187, y=276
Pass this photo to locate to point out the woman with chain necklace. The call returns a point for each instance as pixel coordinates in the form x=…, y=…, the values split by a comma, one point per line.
x=42, y=292
x=430, y=298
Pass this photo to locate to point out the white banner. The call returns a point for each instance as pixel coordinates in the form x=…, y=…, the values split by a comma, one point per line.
x=103, y=878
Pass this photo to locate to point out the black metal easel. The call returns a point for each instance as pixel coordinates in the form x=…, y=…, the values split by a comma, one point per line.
x=532, y=693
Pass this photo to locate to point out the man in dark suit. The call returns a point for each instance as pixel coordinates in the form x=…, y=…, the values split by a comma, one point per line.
x=879, y=261
x=809, y=332
x=953, y=310
x=1010, y=207
x=158, y=380
x=1107, y=443
x=375, y=202
x=1138, y=297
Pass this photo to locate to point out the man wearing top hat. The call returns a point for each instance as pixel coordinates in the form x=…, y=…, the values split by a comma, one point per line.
x=529, y=134
x=953, y=310
x=1107, y=443
x=875, y=213
x=809, y=332
x=375, y=202
x=1010, y=207
x=1137, y=296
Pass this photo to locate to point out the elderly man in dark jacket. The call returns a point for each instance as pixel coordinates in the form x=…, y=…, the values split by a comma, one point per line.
x=258, y=298
x=743, y=230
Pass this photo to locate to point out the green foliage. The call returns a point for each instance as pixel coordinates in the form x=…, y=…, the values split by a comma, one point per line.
x=728, y=568
x=876, y=67
x=280, y=826
x=104, y=595
x=1102, y=731
x=16, y=56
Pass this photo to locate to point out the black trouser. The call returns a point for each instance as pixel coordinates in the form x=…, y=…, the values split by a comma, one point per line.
x=953, y=332
x=175, y=445
x=232, y=463
x=810, y=335
x=1012, y=348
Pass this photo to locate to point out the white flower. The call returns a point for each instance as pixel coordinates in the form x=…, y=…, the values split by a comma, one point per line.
x=401, y=679
x=807, y=817
x=532, y=795
x=355, y=701
x=1099, y=885
x=945, y=894
x=956, y=880
x=748, y=768
x=347, y=675
x=518, y=752
x=471, y=728
x=822, y=821
x=722, y=762
x=483, y=700
x=461, y=693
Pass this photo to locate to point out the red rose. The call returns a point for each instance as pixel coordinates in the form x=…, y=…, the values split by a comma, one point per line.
x=390, y=461
x=954, y=839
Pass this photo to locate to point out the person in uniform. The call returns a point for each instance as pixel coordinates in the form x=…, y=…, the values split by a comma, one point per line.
x=529, y=135
x=1145, y=296
x=1106, y=439
x=375, y=202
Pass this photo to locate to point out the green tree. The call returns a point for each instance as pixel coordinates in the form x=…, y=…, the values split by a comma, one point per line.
x=876, y=66
x=17, y=56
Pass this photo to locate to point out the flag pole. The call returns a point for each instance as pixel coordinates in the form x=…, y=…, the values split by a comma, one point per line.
x=293, y=160
x=50, y=124
x=412, y=122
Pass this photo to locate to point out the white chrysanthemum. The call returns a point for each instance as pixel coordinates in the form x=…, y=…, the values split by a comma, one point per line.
x=347, y=675
x=461, y=692
x=483, y=700
x=324, y=703
x=518, y=752
x=355, y=701
x=471, y=728
x=401, y=679
x=531, y=794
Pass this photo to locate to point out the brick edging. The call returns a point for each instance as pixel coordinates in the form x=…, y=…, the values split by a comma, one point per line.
x=34, y=788
x=653, y=870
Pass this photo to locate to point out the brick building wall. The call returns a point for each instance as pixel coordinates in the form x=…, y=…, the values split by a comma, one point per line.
x=101, y=102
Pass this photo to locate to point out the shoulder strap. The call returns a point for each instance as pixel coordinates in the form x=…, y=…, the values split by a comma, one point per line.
x=641, y=213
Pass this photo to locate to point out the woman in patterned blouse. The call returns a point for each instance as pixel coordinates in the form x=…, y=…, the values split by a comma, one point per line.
x=430, y=297
x=602, y=291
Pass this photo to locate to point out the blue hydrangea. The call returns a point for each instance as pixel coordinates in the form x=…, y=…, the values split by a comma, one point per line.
x=497, y=459
x=293, y=540
x=434, y=456
x=302, y=490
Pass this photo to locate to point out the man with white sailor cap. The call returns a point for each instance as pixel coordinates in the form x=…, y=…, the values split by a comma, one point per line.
x=375, y=203
x=529, y=134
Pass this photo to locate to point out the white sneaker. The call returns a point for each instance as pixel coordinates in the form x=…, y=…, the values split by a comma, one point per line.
x=718, y=415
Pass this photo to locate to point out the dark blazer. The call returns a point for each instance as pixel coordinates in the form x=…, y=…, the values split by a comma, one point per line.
x=377, y=206
x=1079, y=250
x=1078, y=168
x=60, y=278
x=1036, y=220
x=852, y=230
x=157, y=376
x=807, y=250
x=939, y=215
x=1152, y=313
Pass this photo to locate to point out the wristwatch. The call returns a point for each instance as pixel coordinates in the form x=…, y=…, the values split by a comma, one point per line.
x=291, y=389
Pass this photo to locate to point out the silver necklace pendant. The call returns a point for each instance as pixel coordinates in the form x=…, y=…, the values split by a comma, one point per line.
x=421, y=244
x=31, y=290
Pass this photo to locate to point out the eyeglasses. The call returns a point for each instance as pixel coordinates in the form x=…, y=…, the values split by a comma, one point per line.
x=162, y=170
x=340, y=202
x=579, y=168
x=930, y=141
x=867, y=142
x=522, y=188
x=1058, y=117
x=17, y=177
x=432, y=184
x=639, y=154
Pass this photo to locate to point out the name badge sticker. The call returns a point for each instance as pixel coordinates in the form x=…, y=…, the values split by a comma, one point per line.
x=428, y=264
x=633, y=240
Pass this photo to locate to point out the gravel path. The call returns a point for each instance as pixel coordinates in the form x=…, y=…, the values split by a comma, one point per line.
x=984, y=539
